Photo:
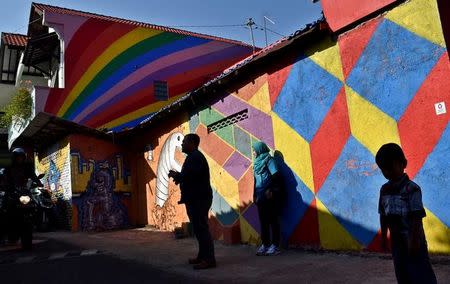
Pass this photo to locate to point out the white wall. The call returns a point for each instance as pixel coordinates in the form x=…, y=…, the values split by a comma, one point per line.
x=6, y=91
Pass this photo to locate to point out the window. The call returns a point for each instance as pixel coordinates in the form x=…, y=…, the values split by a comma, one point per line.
x=10, y=62
x=227, y=121
x=161, y=90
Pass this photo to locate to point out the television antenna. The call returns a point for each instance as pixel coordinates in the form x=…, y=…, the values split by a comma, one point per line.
x=265, y=27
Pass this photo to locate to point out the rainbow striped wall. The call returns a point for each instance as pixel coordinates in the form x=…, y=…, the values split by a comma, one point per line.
x=110, y=68
x=328, y=113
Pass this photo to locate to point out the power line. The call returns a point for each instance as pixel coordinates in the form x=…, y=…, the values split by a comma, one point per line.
x=275, y=32
x=270, y=30
x=24, y=26
x=208, y=26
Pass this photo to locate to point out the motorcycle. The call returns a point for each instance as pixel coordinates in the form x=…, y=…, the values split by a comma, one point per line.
x=25, y=203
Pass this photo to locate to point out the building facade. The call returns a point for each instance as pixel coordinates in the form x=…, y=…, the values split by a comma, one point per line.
x=323, y=99
x=324, y=106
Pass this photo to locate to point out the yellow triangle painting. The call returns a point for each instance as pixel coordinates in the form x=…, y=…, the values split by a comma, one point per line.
x=332, y=234
x=370, y=126
x=420, y=17
x=295, y=149
x=437, y=234
x=261, y=99
x=224, y=183
x=326, y=55
x=248, y=234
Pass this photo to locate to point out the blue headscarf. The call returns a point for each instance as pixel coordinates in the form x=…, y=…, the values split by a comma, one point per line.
x=262, y=157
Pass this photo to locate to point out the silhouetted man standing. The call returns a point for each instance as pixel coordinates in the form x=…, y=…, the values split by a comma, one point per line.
x=196, y=194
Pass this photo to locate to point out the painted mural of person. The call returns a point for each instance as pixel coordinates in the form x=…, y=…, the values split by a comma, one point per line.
x=101, y=209
x=268, y=196
x=401, y=211
x=196, y=194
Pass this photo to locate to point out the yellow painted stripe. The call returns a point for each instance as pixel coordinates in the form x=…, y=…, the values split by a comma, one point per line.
x=140, y=113
x=295, y=149
x=332, y=234
x=224, y=183
x=119, y=46
x=437, y=234
x=248, y=234
x=370, y=126
x=326, y=54
x=420, y=17
x=261, y=99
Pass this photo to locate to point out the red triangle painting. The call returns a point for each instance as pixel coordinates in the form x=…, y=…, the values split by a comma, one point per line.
x=307, y=231
x=276, y=82
x=352, y=44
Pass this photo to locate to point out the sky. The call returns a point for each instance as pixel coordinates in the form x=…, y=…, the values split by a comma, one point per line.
x=288, y=15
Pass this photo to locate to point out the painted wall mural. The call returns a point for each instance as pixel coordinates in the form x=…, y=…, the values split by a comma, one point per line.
x=161, y=193
x=55, y=164
x=101, y=185
x=84, y=168
x=99, y=207
x=167, y=162
x=327, y=114
x=111, y=64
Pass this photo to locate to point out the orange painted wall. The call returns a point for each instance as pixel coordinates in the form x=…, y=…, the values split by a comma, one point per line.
x=171, y=215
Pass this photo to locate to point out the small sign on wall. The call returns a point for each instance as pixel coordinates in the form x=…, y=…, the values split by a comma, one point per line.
x=440, y=108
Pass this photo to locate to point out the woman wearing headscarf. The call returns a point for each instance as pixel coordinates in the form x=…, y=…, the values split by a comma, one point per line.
x=267, y=196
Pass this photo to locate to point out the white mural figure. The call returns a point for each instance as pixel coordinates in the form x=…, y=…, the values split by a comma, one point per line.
x=166, y=163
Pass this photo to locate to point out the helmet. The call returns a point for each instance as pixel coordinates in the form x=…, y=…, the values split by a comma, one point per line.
x=19, y=151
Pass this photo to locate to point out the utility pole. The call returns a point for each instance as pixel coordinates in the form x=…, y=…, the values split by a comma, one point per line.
x=250, y=23
x=265, y=29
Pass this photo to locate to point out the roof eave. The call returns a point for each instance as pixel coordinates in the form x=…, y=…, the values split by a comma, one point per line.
x=45, y=129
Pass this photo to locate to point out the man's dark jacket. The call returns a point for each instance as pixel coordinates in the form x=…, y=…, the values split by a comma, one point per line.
x=194, y=179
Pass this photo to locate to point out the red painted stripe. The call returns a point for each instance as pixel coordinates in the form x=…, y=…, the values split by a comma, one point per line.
x=84, y=50
x=213, y=146
x=330, y=139
x=352, y=44
x=341, y=13
x=83, y=38
x=276, y=82
x=141, y=99
x=144, y=97
x=307, y=231
x=420, y=128
x=375, y=245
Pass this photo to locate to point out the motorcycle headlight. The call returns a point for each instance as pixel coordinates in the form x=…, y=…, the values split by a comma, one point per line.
x=25, y=199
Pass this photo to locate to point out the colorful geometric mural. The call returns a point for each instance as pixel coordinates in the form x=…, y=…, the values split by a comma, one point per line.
x=327, y=114
x=111, y=65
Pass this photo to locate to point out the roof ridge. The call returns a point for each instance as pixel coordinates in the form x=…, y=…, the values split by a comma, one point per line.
x=16, y=34
x=139, y=23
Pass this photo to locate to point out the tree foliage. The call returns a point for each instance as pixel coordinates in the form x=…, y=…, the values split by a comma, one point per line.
x=20, y=105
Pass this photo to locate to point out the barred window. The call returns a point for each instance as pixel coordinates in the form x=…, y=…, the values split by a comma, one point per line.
x=229, y=120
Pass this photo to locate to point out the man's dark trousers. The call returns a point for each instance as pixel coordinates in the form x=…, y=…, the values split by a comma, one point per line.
x=198, y=215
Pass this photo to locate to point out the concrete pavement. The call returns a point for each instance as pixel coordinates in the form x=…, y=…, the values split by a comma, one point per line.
x=147, y=256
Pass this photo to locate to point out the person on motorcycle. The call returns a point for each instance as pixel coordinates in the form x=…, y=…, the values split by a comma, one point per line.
x=3, y=217
x=17, y=176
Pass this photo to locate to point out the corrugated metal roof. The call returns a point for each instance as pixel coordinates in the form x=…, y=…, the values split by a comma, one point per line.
x=61, y=10
x=14, y=39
